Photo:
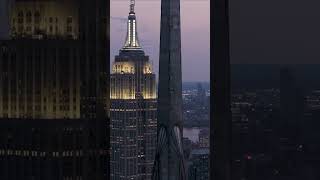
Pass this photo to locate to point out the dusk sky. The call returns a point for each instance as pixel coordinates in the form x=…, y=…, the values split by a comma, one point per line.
x=195, y=22
x=261, y=32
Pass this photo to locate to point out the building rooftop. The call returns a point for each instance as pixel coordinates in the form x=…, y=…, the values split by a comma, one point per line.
x=202, y=151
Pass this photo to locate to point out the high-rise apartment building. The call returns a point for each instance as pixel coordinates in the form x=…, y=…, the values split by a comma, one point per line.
x=133, y=109
x=54, y=89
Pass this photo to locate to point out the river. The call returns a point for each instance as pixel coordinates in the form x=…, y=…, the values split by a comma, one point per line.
x=192, y=133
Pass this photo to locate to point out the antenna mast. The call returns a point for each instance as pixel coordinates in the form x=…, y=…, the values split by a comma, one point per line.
x=132, y=3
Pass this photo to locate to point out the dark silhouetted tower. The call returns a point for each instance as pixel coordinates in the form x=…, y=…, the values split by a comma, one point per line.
x=169, y=162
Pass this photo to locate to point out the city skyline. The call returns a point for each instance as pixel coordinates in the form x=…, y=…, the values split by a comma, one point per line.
x=65, y=113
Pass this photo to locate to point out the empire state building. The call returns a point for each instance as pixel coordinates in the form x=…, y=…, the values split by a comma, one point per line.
x=133, y=109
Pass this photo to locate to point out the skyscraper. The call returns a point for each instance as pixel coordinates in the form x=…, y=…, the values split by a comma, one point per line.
x=169, y=162
x=133, y=109
x=54, y=90
x=201, y=94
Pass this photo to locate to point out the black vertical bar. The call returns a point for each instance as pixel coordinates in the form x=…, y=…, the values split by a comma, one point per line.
x=220, y=123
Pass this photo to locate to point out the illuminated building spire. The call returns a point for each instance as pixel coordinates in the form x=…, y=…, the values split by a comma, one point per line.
x=132, y=41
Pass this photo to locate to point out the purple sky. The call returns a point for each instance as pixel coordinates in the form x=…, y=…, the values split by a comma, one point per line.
x=195, y=17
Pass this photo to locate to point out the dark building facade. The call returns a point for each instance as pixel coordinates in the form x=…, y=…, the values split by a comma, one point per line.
x=220, y=125
x=54, y=90
x=51, y=149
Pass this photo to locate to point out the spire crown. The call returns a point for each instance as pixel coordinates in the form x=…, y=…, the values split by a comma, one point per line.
x=132, y=41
